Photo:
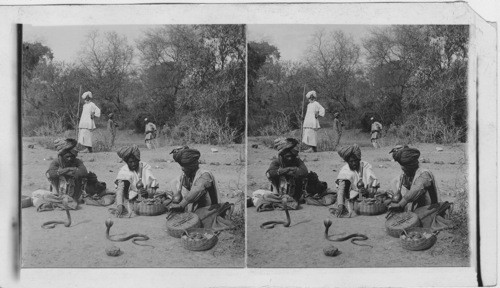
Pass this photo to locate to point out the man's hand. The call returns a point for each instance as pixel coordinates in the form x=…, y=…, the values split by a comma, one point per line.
x=282, y=171
x=364, y=192
x=340, y=210
x=70, y=171
x=175, y=208
x=143, y=192
x=291, y=171
x=394, y=207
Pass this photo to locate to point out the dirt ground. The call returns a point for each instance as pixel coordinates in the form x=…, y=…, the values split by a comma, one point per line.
x=301, y=244
x=83, y=243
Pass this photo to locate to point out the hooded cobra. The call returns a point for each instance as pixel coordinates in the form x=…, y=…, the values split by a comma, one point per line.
x=138, y=237
x=355, y=236
x=271, y=224
x=52, y=224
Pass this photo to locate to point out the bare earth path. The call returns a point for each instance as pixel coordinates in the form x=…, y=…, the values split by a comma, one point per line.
x=301, y=245
x=83, y=244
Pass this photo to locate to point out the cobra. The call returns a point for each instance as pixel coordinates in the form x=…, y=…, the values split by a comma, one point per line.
x=271, y=224
x=354, y=236
x=138, y=237
x=52, y=224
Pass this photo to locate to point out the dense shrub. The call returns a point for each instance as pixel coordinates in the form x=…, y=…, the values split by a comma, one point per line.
x=202, y=130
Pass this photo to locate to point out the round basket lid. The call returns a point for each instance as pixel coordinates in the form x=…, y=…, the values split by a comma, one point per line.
x=182, y=221
x=402, y=220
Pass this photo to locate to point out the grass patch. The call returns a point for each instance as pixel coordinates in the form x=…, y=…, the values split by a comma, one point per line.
x=460, y=218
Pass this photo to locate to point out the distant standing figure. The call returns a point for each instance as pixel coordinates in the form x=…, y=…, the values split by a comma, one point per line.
x=376, y=132
x=87, y=124
x=112, y=128
x=150, y=132
x=311, y=123
x=337, y=128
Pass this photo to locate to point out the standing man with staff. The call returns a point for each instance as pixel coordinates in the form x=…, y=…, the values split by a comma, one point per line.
x=87, y=124
x=311, y=123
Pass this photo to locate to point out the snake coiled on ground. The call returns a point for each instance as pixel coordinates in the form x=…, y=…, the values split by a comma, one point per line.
x=52, y=224
x=137, y=237
x=354, y=236
x=271, y=224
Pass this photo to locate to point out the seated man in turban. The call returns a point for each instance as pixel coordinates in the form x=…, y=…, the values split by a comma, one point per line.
x=134, y=179
x=66, y=173
x=356, y=177
x=416, y=187
x=288, y=172
x=195, y=188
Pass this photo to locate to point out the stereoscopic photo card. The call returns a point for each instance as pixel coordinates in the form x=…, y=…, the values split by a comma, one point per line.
x=249, y=145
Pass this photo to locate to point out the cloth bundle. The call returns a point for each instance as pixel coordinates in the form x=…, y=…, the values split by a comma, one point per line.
x=314, y=185
x=434, y=216
x=44, y=200
x=94, y=186
x=265, y=200
x=216, y=216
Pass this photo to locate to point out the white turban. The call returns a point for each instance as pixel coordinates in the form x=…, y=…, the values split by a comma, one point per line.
x=311, y=93
x=87, y=94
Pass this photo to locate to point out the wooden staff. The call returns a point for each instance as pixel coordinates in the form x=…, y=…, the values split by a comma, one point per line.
x=78, y=113
x=302, y=118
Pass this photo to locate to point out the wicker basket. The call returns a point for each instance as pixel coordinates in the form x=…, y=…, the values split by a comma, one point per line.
x=147, y=209
x=178, y=222
x=26, y=201
x=205, y=240
x=418, y=244
x=369, y=208
x=395, y=225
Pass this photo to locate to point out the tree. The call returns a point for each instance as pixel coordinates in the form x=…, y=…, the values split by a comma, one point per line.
x=334, y=57
x=107, y=62
x=196, y=71
x=32, y=55
x=421, y=69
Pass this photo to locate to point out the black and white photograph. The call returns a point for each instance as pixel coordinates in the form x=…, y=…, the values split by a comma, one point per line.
x=366, y=128
x=249, y=144
x=133, y=146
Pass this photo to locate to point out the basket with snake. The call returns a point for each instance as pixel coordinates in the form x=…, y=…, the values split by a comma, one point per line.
x=418, y=238
x=370, y=206
x=150, y=207
x=399, y=221
x=177, y=223
x=199, y=239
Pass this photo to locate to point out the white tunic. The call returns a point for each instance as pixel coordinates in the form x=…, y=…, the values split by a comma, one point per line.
x=310, y=120
x=148, y=179
x=366, y=174
x=85, y=121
